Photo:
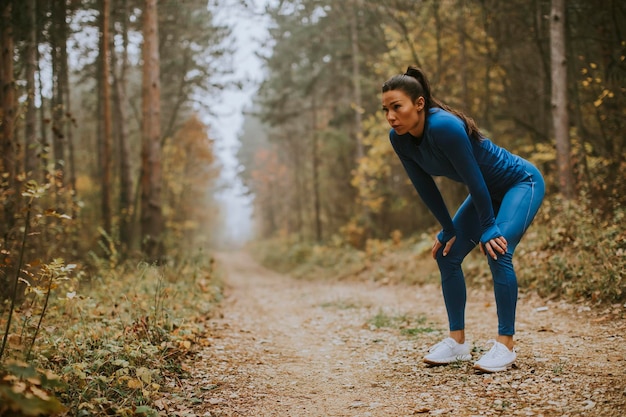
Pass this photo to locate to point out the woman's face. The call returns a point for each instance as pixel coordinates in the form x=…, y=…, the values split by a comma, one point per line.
x=403, y=115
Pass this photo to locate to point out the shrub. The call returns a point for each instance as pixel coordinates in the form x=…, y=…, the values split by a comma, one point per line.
x=574, y=253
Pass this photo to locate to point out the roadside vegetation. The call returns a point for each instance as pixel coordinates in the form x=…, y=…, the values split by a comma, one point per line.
x=106, y=337
x=109, y=336
x=572, y=251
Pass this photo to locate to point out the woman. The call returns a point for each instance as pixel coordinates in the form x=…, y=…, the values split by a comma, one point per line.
x=505, y=192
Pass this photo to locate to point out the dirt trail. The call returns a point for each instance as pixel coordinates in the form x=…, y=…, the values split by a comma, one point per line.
x=286, y=347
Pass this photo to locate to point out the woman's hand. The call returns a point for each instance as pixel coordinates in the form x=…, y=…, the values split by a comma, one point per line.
x=494, y=246
x=438, y=245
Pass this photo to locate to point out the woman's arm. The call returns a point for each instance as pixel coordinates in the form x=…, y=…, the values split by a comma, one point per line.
x=453, y=141
x=430, y=195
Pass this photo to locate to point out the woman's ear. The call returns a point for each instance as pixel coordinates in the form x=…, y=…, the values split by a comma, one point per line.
x=419, y=103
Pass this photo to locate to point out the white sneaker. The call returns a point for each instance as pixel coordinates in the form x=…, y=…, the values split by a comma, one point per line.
x=448, y=351
x=499, y=358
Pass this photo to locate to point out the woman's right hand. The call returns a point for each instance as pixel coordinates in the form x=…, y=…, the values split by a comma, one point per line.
x=494, y=246
x=437, y=245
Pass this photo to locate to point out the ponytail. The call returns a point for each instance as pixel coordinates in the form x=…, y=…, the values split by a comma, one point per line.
x=415, y=84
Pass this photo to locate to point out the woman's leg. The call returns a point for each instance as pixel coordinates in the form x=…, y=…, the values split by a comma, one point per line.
x=515, y=213
x=467, y=227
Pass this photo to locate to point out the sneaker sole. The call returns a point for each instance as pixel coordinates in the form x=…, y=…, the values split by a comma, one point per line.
x=492, y=370
x=447, y=361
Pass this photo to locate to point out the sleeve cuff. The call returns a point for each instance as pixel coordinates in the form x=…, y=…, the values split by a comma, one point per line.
x=445, y=235
x=491, y=233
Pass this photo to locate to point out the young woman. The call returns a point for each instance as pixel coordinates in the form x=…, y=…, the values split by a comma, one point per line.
x=505, y=192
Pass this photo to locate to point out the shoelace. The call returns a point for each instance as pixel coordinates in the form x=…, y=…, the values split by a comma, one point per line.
x=446, y=342
x=496, y=350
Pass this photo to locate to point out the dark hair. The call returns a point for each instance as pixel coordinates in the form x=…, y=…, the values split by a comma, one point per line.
x=415, y=84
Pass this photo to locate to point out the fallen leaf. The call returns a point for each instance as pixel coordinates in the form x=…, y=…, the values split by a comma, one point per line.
x=134, y=383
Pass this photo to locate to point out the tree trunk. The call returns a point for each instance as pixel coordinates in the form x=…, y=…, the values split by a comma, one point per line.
x=559, y=98
x=438, y=31
x=488, y=62
x=151, y=175
x=7, y=145
x=58, y=37
x=358, y=106
x=107, y=121
x=316, y=166
x=68, y=124
x=543, y=76
x=356, y=78
x=126, y=203
x=44, y=151
x=30, y=117
x=462, y=55
x=68, y=131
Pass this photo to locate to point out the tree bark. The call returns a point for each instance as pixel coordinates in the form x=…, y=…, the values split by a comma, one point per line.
x=8, y=92
x=7, y=145
x=560, y=117
x=107, y=121
x=151, y=175
x=68, y=123
x=126, y=202
x=358, y=105
x=30, y=117
x=356, y=78
x=57, y=39
x=462, y=55
x=44, y=150
x=438, y=31
x=316, y=167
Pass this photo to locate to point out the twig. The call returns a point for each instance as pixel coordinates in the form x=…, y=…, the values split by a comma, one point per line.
x=43, y=312
x=17, y=277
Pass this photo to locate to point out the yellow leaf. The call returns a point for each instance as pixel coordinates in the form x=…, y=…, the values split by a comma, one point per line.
x=144, y=374
x=38, y=392
x=15, y=340
x=35, y=380
x=134, y=383
x=19, y=387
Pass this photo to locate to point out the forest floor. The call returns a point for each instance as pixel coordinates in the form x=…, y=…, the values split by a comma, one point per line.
x=287, y=347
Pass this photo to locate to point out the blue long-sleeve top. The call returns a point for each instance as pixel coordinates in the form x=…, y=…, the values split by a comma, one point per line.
x=445, y=149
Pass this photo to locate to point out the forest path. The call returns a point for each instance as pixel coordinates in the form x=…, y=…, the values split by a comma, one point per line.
x=287, y=347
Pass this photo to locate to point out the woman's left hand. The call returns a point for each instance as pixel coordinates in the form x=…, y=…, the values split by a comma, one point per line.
x=437, y=245
x=494, y=246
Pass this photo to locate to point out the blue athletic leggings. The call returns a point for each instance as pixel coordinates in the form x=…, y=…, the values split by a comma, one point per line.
x=514, y=213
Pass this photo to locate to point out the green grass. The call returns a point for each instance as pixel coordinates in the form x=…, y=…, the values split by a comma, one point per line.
x=340, y=305
x=407, y=325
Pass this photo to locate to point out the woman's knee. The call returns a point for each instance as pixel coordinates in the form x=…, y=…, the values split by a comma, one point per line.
x=449, y=262
x=502, y=269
